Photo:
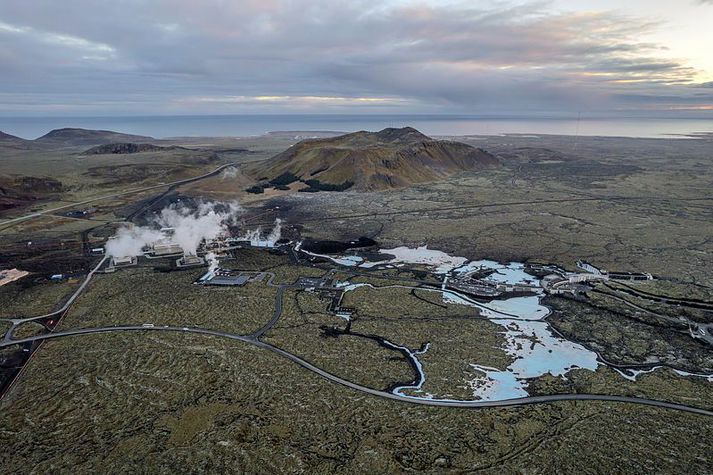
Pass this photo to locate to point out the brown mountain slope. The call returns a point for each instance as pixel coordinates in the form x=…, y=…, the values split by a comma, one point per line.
x=381, y=160
x=19, y=192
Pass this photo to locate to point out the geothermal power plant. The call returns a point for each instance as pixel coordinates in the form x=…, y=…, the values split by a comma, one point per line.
x=187, y=235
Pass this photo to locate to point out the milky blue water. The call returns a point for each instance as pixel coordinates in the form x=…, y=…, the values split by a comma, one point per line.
x=535, y=349
x=246, y=125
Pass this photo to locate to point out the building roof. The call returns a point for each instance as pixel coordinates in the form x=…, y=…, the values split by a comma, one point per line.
x=228, y=280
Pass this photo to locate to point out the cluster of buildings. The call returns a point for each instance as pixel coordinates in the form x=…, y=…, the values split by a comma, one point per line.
x=607, y=275
x=224, y=278
x=487, y=289
x=164, y=247
x=335, y=304
x=555, y=281
x=571, y=283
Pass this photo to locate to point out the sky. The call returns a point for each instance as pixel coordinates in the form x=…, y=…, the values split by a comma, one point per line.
x=480, y=58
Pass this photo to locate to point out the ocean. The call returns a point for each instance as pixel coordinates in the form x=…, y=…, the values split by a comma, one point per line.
x=251, y=125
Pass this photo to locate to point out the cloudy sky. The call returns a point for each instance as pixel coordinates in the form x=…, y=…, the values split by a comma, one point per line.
x=155, y=57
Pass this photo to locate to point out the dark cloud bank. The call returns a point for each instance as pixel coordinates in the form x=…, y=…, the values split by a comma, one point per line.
x=181, y=56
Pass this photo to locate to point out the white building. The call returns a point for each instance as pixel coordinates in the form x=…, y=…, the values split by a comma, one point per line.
x=123, y=260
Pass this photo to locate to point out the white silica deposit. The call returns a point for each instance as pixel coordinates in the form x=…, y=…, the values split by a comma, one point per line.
x=441, y=261
x=536, y=350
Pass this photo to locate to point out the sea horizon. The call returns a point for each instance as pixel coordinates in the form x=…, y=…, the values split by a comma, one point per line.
x=245, y=125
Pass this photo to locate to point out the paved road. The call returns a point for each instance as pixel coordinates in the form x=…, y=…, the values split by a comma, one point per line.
x=276, y=315
x=375, y=392
x=253, y=339
x=9, y=222
x=628, y=289
x=696, y=330
x=18, y=321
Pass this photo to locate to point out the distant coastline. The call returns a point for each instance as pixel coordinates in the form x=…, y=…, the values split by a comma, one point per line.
x=441, y=125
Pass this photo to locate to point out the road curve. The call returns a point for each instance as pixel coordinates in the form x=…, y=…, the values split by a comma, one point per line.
x=37, y=214
x=276, y=314
x=375, y=392
x=67, y=304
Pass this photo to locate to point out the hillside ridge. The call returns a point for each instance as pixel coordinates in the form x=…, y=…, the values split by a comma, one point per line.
x=390, y=158
x=4, y=137
x=126, y=148
x=78, y=136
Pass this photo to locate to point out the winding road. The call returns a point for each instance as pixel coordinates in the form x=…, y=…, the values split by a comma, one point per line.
x=254, y=339
x=18, y=321
x=375, y=392
x=10, y=222
x=275, y=316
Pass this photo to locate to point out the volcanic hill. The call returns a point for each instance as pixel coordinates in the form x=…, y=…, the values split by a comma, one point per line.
x=391, y=158
x=126, y=149
x=75, y=137
x=9, y=138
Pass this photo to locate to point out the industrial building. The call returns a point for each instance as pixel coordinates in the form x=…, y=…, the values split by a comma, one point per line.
x=632, y=276
x=227, y=280
x=592, y=269
x=517, y=288
x=190, y=260
x=165, y=249
x=474, y=287
x=488, y=289
x=165, y=246
x=581, y=278
x=122, y=261
x=345, y=312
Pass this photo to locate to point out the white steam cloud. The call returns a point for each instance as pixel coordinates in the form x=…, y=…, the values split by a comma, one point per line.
x=256, y=239
x=212, y=261
x=276, y=232
x=190, y=227
x=129, y=241
x=230, y=172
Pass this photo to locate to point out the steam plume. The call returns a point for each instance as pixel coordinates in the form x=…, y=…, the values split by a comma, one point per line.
x=129, y=241
x=256, y=239
x=191, y=226
x=230, y=172
x=212, y=260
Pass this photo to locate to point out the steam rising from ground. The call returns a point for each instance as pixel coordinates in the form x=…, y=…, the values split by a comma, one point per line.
x=256, y=239
x=191, y=226
x=230, y=172
x=208, y=221
x=129, y=241
x=276, y=232
x=212, y=261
